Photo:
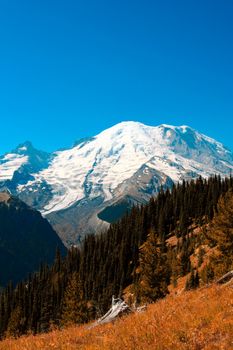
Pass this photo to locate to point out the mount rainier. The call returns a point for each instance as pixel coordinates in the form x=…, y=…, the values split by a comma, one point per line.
x=82, y=189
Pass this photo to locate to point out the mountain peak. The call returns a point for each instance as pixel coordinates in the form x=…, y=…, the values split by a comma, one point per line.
x=24, y=157
x=24, y=147
x=128, y=123
x=124, y=126
x=26, y=144
x=129, y=159
x=134, y=126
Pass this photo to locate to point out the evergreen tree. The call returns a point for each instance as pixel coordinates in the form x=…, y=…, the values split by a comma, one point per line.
x=154, y=272
x=16, y=323
x=221, y=233
x=192, y=281
x=201, y=254
x=74, y=308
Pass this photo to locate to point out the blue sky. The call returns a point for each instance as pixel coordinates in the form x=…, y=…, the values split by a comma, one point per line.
x=70, y=69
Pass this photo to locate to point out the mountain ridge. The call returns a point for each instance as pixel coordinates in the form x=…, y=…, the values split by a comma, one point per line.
x=26, y=240
x=127, y=161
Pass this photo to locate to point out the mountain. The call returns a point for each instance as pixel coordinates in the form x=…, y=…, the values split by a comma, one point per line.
x=17, y=166
x=83, y=188
x=26, y=240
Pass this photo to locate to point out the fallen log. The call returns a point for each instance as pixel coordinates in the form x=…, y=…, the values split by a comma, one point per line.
x=119, y=308
x=225, y=278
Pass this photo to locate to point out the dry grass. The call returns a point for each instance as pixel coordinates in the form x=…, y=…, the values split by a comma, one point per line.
x=201, y=319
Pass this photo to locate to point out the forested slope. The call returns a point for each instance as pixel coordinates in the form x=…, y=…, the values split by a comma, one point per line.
x=173, y=228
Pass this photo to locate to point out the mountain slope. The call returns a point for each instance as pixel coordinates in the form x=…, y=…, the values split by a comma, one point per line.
x=126, y=261
x=26, y=240
x=164, y=325
x=122, y=165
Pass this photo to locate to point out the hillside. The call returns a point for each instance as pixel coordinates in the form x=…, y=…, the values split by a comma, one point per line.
x=183, y=234
x=200, y=319
x=26, y=240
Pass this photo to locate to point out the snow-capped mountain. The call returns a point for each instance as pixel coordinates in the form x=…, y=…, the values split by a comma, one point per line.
x=21, y=162
x=81, y=188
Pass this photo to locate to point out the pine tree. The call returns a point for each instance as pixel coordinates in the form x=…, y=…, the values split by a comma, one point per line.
x=192, y=281
x=201, y=254
x=197, y=279
x=46, y=312
x=74, y=308
x=154, y=272
x=221, y=233
x=16, y=323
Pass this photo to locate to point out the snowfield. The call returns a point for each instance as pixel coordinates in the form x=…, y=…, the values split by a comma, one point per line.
x=123, y=165
x=97, y=167
x=9, y=164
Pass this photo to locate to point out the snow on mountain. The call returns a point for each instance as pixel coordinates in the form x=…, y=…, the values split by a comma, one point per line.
x=9, y=164
x=17, y=166
x=129, y=160
x=98, y=167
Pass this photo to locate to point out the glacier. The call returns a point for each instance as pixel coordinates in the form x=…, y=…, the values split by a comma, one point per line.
x=129, y=161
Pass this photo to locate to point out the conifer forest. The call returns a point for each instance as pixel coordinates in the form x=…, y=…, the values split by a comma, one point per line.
x=138, y=258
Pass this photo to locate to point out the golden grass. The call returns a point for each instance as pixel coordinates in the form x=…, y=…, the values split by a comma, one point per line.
x=201, y=319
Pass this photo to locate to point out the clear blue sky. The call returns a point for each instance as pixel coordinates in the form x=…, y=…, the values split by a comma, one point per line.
x=70, y=69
